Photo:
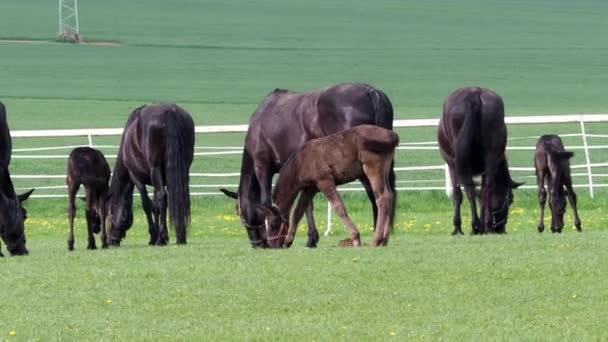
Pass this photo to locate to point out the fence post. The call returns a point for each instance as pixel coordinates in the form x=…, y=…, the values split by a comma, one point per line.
x=328, y=230
x=587, y=157
x=449, y=187
x=90, y=140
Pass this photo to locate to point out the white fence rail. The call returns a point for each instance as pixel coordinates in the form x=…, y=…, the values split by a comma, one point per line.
x=579, y=119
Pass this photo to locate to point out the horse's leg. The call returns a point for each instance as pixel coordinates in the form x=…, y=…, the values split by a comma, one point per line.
x=329, y=190
x=572, y=200
x=160, y=197
x=457, y=200
x=313, y=233
x=372, y=198
x=90, y=233
x=469, y=189
x=72, y=190
x=542, y=199
x=488, y=190
x=149, y=209
x=383, y=198
x=303, y=203
x=102, y=213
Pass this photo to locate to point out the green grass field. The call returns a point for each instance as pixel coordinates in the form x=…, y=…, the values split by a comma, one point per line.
x=218, y=60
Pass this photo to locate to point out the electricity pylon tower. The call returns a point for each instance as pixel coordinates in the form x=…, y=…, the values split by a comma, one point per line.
x=68, y=21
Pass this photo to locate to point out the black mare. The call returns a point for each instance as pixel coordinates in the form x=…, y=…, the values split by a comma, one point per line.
x=157, y=149
x=12, y=213
x=281, y=124
x=472, y=138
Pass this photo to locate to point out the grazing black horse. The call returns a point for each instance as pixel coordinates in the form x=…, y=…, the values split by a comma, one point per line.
x=281, y=124
x=88, y=167
x=12, y=213
x=552, y=164
x=472, y=138
x=157, y=148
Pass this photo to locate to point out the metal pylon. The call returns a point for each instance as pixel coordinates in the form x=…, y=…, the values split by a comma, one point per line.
x=68, y=21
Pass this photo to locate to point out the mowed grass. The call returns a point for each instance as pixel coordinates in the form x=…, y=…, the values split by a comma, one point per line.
x=218, y=60
x=425, y=285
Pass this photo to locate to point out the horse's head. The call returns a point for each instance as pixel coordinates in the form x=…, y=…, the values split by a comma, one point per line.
x=557, y=193
x=120, y=212
x=501, y=202
x=253, y=217
x=11, y=222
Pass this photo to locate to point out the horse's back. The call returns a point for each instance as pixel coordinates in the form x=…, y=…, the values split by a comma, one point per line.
x=151, y=126
x=286, y=119
x=88, y=166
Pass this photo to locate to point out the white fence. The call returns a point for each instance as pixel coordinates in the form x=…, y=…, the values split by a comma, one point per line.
x=578, y=119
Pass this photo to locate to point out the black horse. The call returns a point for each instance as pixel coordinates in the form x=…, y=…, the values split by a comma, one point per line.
x=89, y=168
x=472, y=138
x=552, y=166
x=12, y=213
x=157, y=148
x=281, y=124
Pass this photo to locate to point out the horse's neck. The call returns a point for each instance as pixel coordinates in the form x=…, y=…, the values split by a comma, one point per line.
x=6, y=184
x=121, y=180
x=287, y=188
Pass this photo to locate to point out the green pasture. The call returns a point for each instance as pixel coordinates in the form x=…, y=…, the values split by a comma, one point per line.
x=218, y=59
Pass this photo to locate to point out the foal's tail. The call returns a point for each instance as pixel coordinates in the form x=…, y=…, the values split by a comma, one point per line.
x=179, y=155
x=470, y=129
x=379, y=145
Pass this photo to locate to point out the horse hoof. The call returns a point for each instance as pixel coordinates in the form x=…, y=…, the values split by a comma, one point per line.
x=309, y=245
x=457, y=232
x=91, y=247
x=540, y=229
x=104, y=246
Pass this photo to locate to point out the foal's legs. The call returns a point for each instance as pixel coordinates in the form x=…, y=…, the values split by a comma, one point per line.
x=160, y=197
x=542, y=198
x=149, y=209
x=572, y=200
x=329, y=190
x=72, y=190
x=304, y=203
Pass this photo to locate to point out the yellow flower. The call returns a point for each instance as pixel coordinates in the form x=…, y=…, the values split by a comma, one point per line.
x=13, y=333
x=108, y=301
x=392, y=333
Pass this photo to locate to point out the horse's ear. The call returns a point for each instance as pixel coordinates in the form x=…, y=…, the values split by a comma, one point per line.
x=515, y=185
x=229, y=193
x=25, y=195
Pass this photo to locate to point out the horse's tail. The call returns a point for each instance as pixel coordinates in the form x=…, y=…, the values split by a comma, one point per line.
x=470, y=128
x=178, y=157
x=383, y=116
x=382, y=108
